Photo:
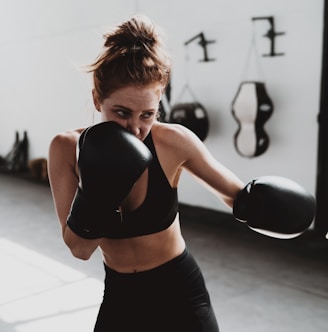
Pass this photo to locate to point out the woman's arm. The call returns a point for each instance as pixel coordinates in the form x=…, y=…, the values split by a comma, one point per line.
x=64, y=182
x=199, y=162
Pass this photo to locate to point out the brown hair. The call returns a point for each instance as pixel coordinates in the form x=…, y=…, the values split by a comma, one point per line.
x=133, y=55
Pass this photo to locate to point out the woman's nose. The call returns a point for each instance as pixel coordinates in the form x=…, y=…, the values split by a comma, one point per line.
x=133, y=127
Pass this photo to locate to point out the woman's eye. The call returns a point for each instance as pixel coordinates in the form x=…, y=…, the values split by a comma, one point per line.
x=122, y=113
x=148, y=115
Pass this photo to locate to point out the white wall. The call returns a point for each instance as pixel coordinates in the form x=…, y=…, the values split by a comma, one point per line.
x=43, y=91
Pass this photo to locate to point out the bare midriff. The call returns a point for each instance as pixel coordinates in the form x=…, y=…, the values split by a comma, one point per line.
x=143, y=253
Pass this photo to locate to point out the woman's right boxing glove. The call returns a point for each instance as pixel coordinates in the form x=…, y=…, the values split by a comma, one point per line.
x=110, y=161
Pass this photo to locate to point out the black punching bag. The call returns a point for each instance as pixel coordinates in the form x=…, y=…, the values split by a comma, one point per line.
x=193, y=116
x=251, y=108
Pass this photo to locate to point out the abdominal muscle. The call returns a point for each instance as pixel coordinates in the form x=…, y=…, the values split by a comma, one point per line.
x=144, y=252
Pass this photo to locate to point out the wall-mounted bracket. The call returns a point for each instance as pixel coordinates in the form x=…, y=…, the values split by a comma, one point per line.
x=271, y=34
x=203, y=43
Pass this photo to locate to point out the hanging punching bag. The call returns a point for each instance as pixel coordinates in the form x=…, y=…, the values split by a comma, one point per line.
x=251, y=108
x=193, y=116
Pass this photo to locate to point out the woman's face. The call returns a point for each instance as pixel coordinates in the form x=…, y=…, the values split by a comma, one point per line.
x=133, y=107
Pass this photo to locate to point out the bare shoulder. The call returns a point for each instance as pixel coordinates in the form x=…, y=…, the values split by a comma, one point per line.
x=65, y=139
x=178, y=147
x=173, y=135
x=64, y=143
x=62, y=153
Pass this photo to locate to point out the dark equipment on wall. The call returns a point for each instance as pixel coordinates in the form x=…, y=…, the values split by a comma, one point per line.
x=271, y=34
x=321, y=220
x=203, y=43
x=164, y=105
x=193, y=116
x=251, y=108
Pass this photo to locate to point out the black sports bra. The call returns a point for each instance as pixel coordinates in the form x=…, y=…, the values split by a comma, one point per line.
x=158, y=210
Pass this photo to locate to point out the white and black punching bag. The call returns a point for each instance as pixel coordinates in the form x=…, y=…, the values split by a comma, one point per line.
x=193, y=116
x=251, y=108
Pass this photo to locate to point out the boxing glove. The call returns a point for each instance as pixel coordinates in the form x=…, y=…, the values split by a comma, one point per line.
x=110, y=161
x=275, y=206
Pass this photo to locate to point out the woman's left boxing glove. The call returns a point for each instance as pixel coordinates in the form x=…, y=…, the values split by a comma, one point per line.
x=275, y=206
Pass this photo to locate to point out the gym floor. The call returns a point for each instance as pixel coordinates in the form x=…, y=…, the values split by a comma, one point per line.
x=257, y=284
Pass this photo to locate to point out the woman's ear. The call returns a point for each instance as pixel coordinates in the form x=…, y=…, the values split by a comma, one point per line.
x=95, y=100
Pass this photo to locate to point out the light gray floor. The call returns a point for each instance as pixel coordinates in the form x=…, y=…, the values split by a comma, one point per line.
x=256, y=284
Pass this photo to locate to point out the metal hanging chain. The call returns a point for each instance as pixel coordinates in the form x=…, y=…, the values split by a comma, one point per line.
x=186, y=87
x=253, y=54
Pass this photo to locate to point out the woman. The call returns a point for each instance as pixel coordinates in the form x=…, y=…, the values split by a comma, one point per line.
x=152, y=281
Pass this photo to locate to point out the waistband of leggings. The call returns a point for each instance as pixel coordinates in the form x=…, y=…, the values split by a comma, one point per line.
x=159, y=269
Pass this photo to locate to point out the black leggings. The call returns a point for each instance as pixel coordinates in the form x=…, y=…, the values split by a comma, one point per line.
x=171, y=297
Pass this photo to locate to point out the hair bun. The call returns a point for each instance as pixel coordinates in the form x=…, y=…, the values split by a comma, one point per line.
x=131, y=45
x=133, y=36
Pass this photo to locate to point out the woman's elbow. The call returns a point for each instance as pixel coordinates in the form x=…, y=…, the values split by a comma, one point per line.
x=81, y=253
x=79, y=247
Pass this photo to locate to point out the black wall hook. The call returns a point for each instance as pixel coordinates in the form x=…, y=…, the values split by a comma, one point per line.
x=271, y=34
x=203, y=43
